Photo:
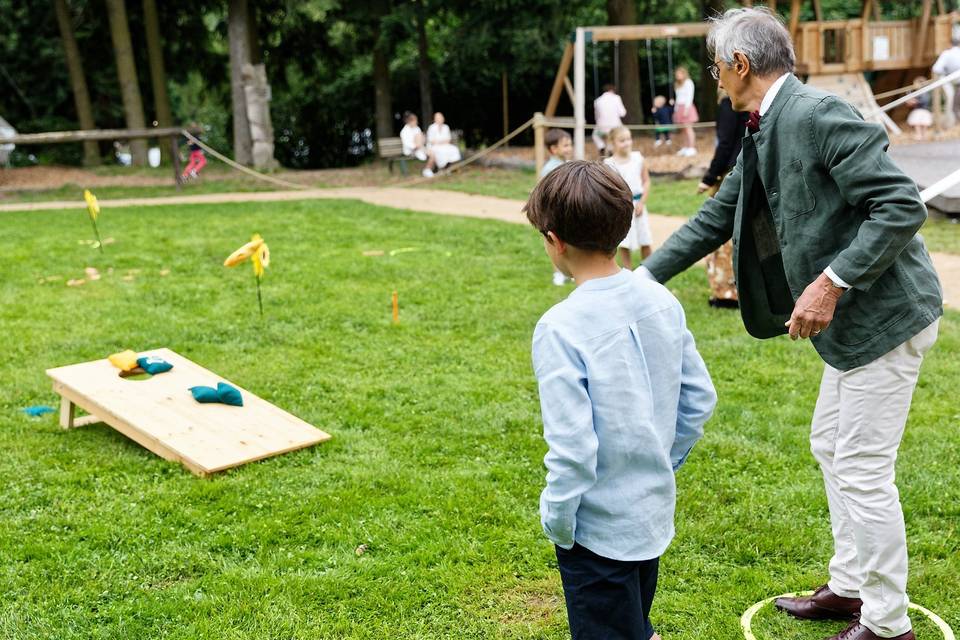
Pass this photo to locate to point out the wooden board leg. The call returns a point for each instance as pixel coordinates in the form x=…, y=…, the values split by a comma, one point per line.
x=67, y=411
x=68, y=416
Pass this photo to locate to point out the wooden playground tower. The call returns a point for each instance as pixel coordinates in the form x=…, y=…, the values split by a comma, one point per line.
x=824, y=48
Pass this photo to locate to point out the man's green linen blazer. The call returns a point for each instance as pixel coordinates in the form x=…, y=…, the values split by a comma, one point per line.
x=836, y=200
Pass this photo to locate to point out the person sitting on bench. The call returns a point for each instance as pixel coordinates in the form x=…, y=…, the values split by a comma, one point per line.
x=440, y=147
x=411, y=138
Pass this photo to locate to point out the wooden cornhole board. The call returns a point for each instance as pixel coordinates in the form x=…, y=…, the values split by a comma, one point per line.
x=160, y=414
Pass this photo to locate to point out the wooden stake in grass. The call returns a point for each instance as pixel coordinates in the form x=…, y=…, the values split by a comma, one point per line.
x=396, y=308
x=93, y=210
x=259, y=254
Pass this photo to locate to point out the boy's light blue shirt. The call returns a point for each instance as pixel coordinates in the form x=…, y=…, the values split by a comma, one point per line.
x=550, y=165
x=624, y=396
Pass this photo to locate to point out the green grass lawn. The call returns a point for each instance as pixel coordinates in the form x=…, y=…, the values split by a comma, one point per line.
x=436, y=458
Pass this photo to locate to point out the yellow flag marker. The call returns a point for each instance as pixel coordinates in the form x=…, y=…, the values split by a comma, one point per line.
x=93, y=210
x=259, y=254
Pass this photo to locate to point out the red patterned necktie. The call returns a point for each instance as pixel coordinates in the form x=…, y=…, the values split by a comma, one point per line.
x=753, y=122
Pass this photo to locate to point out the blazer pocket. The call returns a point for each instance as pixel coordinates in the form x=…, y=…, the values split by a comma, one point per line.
x=796, y=198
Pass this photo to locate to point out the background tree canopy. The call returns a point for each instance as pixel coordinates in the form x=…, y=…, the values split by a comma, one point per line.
x=319, y=56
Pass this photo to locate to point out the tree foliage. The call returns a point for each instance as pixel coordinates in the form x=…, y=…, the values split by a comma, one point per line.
x=319, y=59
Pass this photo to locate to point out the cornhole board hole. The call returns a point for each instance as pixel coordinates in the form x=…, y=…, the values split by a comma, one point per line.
x=160, y=414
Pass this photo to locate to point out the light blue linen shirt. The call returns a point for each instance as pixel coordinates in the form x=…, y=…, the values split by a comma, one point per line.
x=550, y=165
x=624, y=396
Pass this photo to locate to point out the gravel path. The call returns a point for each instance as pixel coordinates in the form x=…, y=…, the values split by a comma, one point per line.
x=432, y=201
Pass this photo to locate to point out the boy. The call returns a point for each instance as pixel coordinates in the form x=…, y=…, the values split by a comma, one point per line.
x=559, y=146
x=608, y=111
x=624, y=396
x=663, y=116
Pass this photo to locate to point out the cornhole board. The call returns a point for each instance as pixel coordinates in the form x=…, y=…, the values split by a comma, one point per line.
x=160, y=414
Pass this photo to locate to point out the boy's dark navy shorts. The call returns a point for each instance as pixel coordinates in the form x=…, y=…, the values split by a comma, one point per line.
x=607, y=599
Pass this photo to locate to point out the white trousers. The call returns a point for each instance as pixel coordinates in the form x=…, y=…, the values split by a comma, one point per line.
x=857, y=427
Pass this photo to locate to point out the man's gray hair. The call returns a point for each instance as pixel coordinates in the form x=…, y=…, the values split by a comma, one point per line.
x=758, y=34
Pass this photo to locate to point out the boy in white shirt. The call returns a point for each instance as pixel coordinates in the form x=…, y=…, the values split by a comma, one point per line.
x=608, y=111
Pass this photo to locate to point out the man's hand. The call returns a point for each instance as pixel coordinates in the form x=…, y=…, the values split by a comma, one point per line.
x=814, y=309
x=702, y=187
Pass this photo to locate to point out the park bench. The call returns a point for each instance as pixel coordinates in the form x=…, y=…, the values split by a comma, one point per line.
x=391, y=150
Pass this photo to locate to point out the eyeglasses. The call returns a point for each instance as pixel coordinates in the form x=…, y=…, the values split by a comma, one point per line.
x=714, y=70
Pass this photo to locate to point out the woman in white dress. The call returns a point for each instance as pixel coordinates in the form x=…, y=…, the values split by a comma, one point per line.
x=684, y=111
x=440, y=148
x=631, y=167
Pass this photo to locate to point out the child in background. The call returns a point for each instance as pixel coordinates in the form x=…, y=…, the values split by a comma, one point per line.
x=631, y=167
x=624, y=395
x=560, y=147
x=685, y=111
x=197, y=161
x=920, y=117
x=411, y=138
x=663, y=116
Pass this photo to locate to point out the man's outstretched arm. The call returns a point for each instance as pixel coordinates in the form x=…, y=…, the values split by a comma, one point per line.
x=702, y=234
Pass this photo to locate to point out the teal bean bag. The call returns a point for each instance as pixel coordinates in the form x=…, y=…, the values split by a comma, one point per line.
x=154, y=365
x=224, y=394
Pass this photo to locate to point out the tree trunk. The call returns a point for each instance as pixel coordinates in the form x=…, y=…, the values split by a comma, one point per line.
x=127, y=75
x=628, y=84
x=238, y=21
x=158, y=74
x=381, y=85
x=708, y=86
x=81, y=97
x=426, y=100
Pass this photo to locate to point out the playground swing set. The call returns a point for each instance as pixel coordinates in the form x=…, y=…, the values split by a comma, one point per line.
x=832, y=54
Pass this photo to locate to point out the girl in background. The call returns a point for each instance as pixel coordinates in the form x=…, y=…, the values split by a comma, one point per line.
x=685, y=112
x=631, y=167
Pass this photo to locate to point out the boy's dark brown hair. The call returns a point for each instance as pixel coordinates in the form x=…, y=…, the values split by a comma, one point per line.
x=586, y=204
x=553, y=137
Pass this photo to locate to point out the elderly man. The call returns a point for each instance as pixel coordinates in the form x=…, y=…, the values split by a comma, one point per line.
x=824, y=228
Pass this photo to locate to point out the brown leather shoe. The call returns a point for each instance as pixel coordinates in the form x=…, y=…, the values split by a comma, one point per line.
x=857, y=631
x=822, y=605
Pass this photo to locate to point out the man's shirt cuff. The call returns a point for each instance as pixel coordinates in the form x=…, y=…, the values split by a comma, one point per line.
x=837, y=280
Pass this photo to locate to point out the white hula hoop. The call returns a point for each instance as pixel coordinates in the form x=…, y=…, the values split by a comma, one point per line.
x=747, y=616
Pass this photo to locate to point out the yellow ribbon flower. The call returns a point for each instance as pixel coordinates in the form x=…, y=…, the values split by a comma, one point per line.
x=93, y=207
x=259, y=254
x=93, y=210
x=244, y=252
x=260, y=259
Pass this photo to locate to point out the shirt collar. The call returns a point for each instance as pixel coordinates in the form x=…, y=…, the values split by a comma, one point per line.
x=609, y=282
x=772, y=93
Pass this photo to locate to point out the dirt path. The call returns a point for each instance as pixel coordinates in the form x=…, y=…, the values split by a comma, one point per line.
x=432, y=201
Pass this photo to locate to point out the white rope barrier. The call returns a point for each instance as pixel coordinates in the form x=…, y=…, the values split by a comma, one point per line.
x=953, y=77
x=239, y=167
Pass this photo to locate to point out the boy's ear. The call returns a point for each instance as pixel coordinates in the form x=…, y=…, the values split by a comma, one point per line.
x=559, y=244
